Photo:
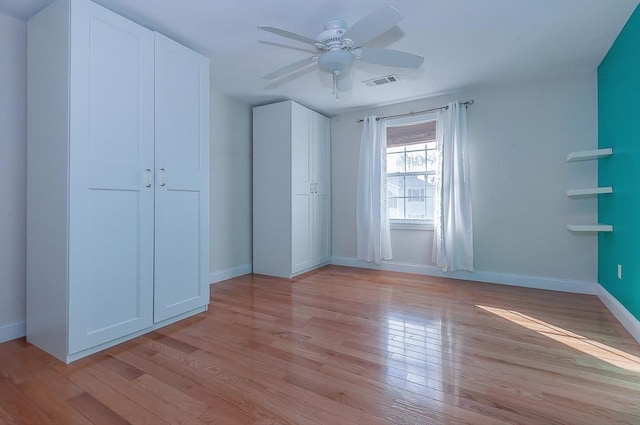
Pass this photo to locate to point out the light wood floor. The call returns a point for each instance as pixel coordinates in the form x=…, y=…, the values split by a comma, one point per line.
x=347, y=346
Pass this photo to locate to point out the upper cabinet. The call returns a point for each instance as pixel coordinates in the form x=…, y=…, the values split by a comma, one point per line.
x=291, y=189
x=118, y=175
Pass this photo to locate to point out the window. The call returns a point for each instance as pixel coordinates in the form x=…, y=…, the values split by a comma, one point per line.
x=411, y=160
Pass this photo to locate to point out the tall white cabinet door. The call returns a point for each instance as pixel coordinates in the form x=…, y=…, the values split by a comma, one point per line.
x=182, y=179
x=110, y=203
x=322, y=190
x=302, y=190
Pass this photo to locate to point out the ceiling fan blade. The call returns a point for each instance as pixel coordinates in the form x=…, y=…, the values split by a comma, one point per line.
x=390, y=57
x=288, y=34
x=373, y=25
x=290, y=68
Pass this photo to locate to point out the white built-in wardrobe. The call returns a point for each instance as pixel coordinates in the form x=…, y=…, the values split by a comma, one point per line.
x=291, y=189
x=118, y=180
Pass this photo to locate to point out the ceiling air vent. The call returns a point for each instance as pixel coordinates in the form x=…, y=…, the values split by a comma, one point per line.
x=382, y=80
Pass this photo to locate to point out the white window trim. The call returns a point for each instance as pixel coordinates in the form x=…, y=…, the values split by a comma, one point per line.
x=408, y=224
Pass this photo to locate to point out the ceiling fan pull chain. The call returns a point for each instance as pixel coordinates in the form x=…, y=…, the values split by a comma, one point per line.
x=335, y=83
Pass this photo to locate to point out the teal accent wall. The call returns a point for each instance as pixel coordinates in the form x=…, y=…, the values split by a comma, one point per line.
x=619, y=128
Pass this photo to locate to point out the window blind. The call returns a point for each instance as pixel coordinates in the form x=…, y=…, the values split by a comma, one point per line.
x=411, y=134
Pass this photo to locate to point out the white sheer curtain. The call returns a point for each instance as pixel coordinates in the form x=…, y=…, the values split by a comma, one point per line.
x=372, y=220
x=453, y=228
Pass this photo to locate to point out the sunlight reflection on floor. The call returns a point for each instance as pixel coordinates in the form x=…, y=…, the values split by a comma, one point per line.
x=588, y=346
x=411, y=342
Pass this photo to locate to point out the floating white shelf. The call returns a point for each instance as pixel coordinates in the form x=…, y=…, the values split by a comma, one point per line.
x=589, y=191
x=586, y=155
x=590, y=227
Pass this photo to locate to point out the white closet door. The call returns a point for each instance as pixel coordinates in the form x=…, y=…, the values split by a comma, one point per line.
x=110, y=205
x=322, y=201
x=182, y=179
x=302, y=190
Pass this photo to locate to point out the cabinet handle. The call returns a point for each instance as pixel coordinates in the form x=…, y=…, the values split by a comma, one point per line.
x=315, y=187
x=311, y=187
x=149, y=177
x=163, y=177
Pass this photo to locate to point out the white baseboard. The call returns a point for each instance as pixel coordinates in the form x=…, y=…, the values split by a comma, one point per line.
x=623, y=315
x=221, y=275
x=537, y=282
x=12, y=331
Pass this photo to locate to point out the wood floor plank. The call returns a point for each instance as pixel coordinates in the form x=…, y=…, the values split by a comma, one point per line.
x=146, y=399
x=58, y=384
x=224, y=409
x=21, y=408
x=95, y=411
x=141, y=360
x=121, y=368
x=6, y=418
x=172, y=395
x=114, y=400
x=218, y=384
x=347, y=346
x=51, y=403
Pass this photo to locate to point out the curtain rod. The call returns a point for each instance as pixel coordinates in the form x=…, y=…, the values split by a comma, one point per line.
x=467, y=103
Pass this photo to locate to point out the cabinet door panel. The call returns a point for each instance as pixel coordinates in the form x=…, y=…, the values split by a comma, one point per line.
x=110, y=207
x=113, y=299
x=322, y=197
x=301, y=232
x=302, y=192
x=182, y=179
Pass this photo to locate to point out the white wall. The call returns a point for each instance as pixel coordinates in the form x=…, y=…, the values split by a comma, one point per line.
x=519, y=137
x=13, y=175
x=230, y=187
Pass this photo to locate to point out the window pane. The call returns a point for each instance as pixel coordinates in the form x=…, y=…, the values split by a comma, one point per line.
x=431, y=160
x=431, y=190
x=416, y=161
x=393, y=149
x=395, y=186
x=416, y=208
x=415, y=186
x=416, y=147
x=395, y=163
x=395, y=208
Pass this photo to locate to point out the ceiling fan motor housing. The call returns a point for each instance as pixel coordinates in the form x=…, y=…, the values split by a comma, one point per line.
x=332, y=34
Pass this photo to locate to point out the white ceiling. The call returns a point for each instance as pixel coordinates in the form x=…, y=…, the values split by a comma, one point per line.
x=466, y=43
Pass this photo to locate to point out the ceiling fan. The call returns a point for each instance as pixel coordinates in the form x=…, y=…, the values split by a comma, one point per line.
x=339, y=46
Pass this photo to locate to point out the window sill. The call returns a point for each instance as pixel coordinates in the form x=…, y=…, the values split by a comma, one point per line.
x=408, y=225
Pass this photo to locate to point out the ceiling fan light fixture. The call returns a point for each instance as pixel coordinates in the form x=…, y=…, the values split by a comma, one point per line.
x=336, y=60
